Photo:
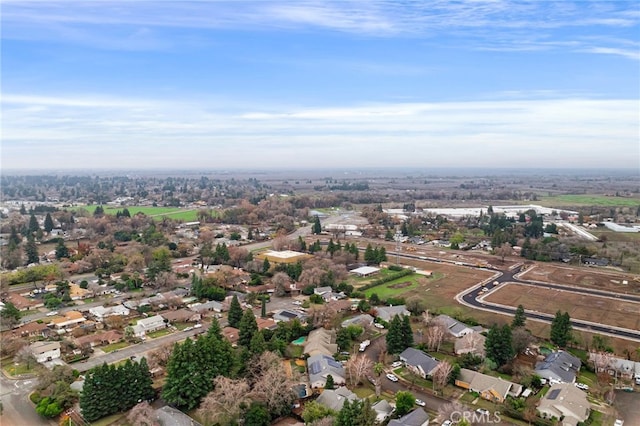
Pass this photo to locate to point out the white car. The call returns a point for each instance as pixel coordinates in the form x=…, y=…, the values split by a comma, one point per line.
x=396, y=364
x=197, y=326
x=297, y=302
x=582, y=386
x=420, y=402
x=392, y=377
x=52, y=313
x=482, y=411
x=447, y=423
x=618, y=422
x=378, y=325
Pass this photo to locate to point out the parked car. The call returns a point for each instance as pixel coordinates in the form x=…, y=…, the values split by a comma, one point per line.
x=52, y=313
x=582, y=386
x=420, y=402
x=297, y=302
x=618, y=422
x=392, y=377
x=482, y=411
x=447, y=423
x=197, y=326
x=378, y=325
x=188, y=329
x=396, y=364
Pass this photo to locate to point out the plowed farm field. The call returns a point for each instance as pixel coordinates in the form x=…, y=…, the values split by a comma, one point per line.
x=596, y=309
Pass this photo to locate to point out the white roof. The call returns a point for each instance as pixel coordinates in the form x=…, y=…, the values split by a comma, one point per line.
x=285, y=254
x=365, y=270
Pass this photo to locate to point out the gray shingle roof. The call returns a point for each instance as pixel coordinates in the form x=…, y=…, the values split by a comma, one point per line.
x=417, y=417
x=417, y=358
x=559, y=366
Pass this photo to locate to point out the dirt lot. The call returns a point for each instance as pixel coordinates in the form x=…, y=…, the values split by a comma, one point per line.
x=584, y=277
x=580, y=306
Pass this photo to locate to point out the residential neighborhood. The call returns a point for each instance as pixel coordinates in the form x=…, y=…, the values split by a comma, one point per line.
x=336, y=324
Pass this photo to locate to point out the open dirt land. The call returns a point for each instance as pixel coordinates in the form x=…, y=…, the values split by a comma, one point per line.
x=580, y=306
x=583, y=277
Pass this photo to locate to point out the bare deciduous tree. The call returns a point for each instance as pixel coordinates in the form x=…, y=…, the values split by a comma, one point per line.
x=159, y=358
x=451, y=411
x=358, y=367
x=224, y=404
x=281, y=281
x=441, y=374
x=434, y=335
x=142, y=414
x=271, y=384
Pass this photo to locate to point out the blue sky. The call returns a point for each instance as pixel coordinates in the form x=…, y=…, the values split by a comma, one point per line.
x=320, y=84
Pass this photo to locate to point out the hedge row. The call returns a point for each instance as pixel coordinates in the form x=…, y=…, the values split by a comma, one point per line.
x=386, y=279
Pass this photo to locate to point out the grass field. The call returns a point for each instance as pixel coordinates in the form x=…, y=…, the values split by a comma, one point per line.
x=589, y=200
x=400, y=286
x=190, y=215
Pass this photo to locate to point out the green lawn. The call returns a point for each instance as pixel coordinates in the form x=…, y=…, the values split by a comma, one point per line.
x=21, y=368
x=187, y=215
x=386, y=290
x=109, y=420
x=182, y=325
x=363, y=392
x=589, y=200
x=158, y=333
x=114, y=346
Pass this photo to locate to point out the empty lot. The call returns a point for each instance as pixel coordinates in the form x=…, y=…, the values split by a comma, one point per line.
x=596, y=309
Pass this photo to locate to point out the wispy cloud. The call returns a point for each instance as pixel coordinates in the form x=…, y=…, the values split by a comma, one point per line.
x=496, y=25
x=81, y=132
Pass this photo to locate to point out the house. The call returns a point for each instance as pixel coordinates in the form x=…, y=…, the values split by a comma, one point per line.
x=321, y=341
x=334, y=399
x=100, y=312
x=320, y=366
x=169, y=416
x=455, y=327
x=363, y=320
x=471, y=343
x=231, y=334
x=490, y=388
x=21, y=302
x=266, y=323
x=559, y=367
x=69, y=319
x=417, y=417
x=382, y=409
x=566, y=402
x=617, y=367
x=285, y=256
x=322, y=290
x=287, y=315
x=45, y=351
x=32, y=329
x=98, y=339
x=148, y=325
x=387, y=313
x=210, y=306
x=419, y=362
x=181, y=315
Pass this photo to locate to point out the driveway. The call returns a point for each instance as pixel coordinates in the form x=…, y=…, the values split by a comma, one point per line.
x=627, y=405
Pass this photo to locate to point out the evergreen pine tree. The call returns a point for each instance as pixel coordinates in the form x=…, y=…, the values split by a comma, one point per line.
x=407, y=332
x=48, y=223
x=235, y=312
x=33, y=224
x=330, y=384
x=266, y=266
x=31, y=250
x=247, y=328
x=317, y=227
x=519, y=317
x=394, y=336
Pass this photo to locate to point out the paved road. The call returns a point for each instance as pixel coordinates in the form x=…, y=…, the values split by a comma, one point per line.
x=472, y=298
x=17, y=409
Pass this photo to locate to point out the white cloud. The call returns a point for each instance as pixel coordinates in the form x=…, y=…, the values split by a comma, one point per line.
x=67, y=132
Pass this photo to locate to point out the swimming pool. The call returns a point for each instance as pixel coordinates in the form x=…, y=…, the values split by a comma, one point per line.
x=299, y=341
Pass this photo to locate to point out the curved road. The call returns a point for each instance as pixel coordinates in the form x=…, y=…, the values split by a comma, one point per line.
x=471, y=297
